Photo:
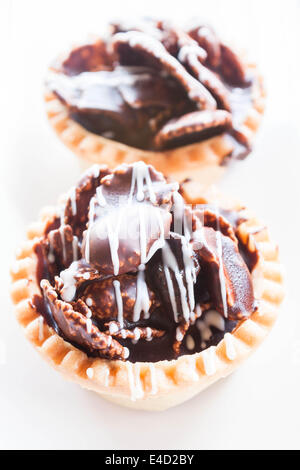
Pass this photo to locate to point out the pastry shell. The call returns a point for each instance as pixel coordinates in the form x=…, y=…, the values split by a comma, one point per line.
x=203, y=160
x=160, y=385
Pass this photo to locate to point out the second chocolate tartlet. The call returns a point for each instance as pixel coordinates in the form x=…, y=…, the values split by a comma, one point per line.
x=181, y=100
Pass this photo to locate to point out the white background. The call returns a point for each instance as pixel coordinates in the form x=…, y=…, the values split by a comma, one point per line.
x=258, y=406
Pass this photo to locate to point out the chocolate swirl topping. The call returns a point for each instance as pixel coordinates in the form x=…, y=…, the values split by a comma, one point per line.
x=129, y=270
x=154, y=86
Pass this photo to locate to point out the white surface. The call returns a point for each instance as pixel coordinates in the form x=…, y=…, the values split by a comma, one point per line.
x=257, y=407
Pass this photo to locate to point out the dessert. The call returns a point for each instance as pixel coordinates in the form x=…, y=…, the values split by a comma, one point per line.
x=144, y=290
x=181, y=100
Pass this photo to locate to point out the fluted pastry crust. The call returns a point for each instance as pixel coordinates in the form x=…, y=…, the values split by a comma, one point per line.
x=160, y=385
x=202, y=159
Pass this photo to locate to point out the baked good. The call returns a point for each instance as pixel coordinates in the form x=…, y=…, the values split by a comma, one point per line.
x=181, y=100
x=144, y=290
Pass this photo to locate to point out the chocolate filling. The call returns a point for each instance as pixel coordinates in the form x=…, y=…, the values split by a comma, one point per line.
x=129, y=270
x=155, y=87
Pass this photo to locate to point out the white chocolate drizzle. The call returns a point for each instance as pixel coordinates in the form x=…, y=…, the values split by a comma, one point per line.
x=88, y=325
x=180, y=220
x=221, y=267
x=94, y=170
x=100, y=198
x=88, y=232
x=190, y=271
x=135, y=384
x=137, y=335
x=192, y=317
x=75, y=248
x=209, y=361
x=171, y=292
x=212, y=318
x=160, y=242
x=63, y=241
x=51, y=255
x=41, y=328
x=179, y=335
x=136, y=38
x=178, y=211
x=198, y=311
x=131, y=380
x=169, y=260
x=140, y=174
x=89, y=321
x=106, y=378
x=229, y=347
x=142, y=301
x=68, y=277
x=113, y=239
x=142, y=183
x=72, y=197
x=190, y=343
x=143, y=239
x=193, y=368
x=101, y=77
x=153, y=379
x=113, y=328
x=90, y=372
x=119, y=302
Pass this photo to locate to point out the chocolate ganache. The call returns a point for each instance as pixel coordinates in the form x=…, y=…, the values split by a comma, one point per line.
x=154, y=86
x=128, y=270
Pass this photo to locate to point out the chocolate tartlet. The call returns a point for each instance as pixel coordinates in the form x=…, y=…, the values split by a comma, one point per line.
x=142, y=291
x=151, y=91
